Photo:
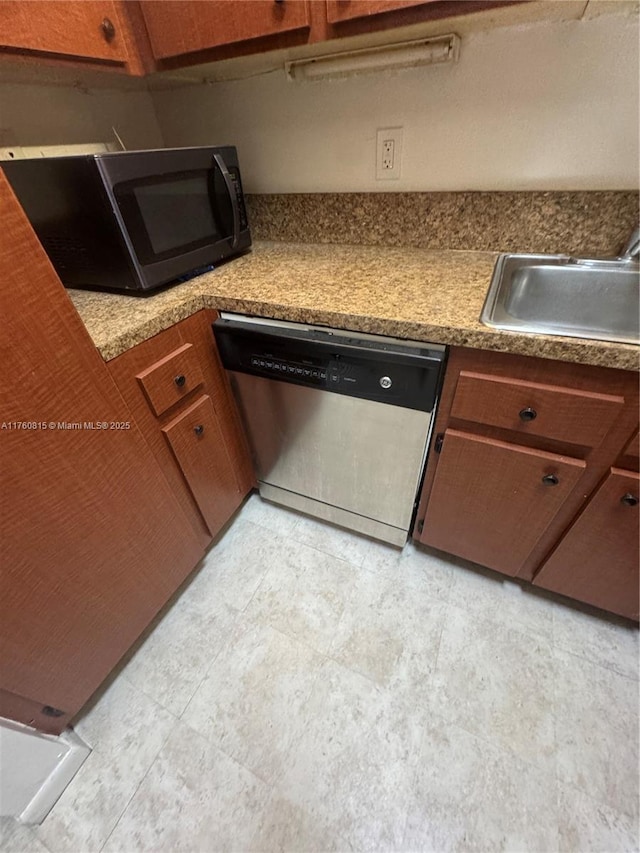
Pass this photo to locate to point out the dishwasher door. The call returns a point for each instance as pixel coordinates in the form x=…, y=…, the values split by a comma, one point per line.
x=352, y=461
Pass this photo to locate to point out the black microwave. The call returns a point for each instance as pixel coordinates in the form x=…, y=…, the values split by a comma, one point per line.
x=134, y=220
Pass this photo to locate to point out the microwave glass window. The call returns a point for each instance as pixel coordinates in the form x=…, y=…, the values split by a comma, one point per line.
x=176, y=213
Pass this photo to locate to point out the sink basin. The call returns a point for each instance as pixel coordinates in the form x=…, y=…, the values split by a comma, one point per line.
x=559, y=295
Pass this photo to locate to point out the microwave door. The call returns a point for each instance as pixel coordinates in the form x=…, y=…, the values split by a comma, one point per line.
x=170, y=215
x=231, y=190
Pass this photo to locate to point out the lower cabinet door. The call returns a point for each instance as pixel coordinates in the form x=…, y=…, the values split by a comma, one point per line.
x=198, y=445
x=597, y=560
x=491, y=501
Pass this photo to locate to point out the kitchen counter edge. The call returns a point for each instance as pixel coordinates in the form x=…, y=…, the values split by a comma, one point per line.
x=415, y=294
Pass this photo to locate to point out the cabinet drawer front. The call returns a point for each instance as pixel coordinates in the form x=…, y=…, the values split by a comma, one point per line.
x=197, y=443
x=562, y=414
x=489, y=501
x=171, y=379
x=597, y=561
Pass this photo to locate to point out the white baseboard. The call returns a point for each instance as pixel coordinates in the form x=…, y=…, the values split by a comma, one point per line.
x=35, y=769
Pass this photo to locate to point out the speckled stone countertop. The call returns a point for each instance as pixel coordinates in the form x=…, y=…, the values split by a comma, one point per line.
x=409, y=293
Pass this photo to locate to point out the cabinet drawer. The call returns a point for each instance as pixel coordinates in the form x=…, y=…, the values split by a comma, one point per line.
x=561, y=414
x=491, y=501
x=171, y=379
x=198, y=445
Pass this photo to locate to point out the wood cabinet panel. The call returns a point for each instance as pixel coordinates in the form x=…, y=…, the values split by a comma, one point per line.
x=632, y=450
x=124, y=369
x=347, y=10
x=65, y=28
x=170, y=380
x=597, y=384
x=489, y=502
x=200, y=450
x=177, y=27
x=597, y=561
x=562, y=414
x=92, y=540
x=195, y=337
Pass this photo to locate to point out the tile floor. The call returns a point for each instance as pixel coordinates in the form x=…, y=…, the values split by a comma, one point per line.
x=312, y=690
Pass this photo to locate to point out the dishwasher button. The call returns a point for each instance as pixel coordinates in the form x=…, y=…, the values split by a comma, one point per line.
x=385, y=382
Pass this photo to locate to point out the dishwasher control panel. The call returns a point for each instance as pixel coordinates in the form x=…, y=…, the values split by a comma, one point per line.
x=287, y=368
x=384, y=370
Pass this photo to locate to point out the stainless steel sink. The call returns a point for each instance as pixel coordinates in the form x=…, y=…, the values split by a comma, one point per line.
x=559, y=295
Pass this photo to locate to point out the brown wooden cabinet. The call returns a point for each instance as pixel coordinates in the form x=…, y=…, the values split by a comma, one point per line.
x=98, y=31
x=184, y=32
x=491, y=501
x=597, y=559
x=93, y=542
x=140, y=36
x=348, y=10
x=179, y=27
x=525, y=476
x=179, y=395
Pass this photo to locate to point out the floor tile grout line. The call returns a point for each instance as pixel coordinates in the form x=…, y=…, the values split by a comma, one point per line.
x=506, y=626
x=173, y=713
x=591, y=662
x=34, y=829
x=571, y=786
x=146, y=773
x=228, y=755
x=224, y=646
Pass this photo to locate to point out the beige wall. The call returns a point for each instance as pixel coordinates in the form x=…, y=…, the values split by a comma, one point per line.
x=541, y=106
x=33, y=114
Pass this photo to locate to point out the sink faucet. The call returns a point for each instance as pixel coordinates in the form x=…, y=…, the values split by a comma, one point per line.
x=631, y=249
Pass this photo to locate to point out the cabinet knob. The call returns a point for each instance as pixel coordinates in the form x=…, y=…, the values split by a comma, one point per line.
x=528, y=414
x=198, y=429
x=180, y=380
x=108, y=30
x=550, y=480
x=629, y=500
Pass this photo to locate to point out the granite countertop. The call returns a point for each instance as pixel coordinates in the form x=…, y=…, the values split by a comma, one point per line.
x=418, y=294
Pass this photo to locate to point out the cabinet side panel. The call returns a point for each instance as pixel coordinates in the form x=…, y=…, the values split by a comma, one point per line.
x=92, y=541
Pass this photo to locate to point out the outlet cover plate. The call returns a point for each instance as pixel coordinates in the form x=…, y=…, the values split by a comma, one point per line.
x=385, y=171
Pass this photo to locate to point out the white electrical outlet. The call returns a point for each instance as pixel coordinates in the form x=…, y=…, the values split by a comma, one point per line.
x=388, y=153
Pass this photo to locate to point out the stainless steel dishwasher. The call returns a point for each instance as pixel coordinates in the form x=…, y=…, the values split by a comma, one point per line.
x=338, y=421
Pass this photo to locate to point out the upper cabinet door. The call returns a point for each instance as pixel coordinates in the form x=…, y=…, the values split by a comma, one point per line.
x=90, y=29
x=348, y=10
x=177, y=27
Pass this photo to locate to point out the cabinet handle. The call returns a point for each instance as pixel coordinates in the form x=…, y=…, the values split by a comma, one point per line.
x=108, y=30
x=198, y=429
x=629, y=500
x=180, y=380
x=528, y=414
x=550, y=480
